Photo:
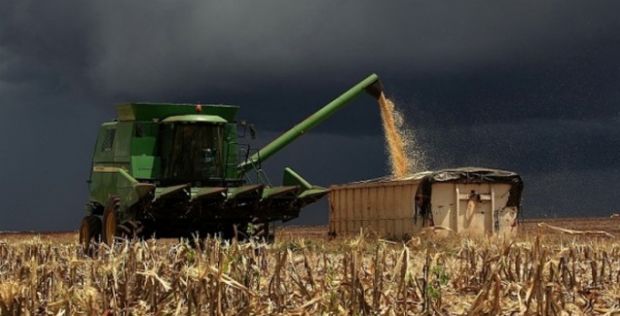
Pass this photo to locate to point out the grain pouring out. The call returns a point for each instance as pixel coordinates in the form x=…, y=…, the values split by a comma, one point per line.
x=405, y=155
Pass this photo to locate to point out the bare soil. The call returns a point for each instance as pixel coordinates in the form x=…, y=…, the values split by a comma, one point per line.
x=526, y=227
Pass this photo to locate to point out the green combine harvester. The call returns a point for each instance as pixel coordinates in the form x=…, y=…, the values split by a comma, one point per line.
x=174, y=170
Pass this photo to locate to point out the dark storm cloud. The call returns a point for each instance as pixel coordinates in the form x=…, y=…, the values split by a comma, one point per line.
x=46, y=47
x=538, y=145
x=531, y=60
x=458, y=62
x=529, y=86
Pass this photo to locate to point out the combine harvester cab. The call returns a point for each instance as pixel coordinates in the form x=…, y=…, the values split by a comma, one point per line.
x=174, y=170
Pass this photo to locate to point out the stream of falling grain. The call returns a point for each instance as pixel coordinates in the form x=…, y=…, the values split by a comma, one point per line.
x=405, y=157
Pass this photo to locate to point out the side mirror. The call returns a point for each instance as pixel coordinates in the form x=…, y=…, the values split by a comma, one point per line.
x=245, y=127
x=242, y=126
x=252, y=131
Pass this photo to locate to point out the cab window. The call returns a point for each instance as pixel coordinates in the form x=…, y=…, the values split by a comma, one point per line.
x=108, y=140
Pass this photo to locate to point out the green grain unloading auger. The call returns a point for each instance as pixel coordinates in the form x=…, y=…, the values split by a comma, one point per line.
x=174, y=170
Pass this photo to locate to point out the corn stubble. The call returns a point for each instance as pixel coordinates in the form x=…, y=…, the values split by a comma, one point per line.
x=361, y=276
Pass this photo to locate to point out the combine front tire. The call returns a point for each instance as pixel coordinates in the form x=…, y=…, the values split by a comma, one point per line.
x=110, y=222
x=90, y=229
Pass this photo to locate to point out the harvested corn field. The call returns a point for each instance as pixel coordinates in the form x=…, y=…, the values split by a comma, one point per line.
x=549, y=274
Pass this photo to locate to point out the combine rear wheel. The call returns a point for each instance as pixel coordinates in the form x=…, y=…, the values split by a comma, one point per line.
x=90, y=229
x=110, y=222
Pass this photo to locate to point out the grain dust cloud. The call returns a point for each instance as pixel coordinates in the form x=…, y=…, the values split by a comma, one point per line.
x=405, y=155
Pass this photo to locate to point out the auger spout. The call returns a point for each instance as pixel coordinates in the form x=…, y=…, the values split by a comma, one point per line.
x=371, y=84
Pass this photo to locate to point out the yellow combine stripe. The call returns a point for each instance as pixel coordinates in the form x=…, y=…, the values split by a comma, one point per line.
x=107, y=169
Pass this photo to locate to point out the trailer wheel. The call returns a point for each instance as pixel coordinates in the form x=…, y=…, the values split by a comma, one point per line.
x=90, y=228
x=110, y=221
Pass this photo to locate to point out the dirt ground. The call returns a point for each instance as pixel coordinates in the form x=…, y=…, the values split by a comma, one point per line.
x=541, y=272
x=610, y=225
x=526, y=227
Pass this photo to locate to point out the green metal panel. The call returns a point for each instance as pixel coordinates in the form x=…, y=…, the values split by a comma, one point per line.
x=162, y=192
x=107, y=182
x=104, y=183
x=122, y=142
x=146, y=129
x=144, y=160
x=143, y=146
x=160, y=111
x=208, y=193
x=145, y=167
x=104, y=150
x=111, y=162
x=126, y=190
x=100, y=184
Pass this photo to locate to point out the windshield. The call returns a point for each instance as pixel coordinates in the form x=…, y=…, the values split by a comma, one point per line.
x=191, y=152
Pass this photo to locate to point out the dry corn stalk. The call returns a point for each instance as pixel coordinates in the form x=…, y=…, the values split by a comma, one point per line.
x=363, y=276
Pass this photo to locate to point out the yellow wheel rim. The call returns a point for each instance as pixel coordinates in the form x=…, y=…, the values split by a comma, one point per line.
x=84, y=233
x=110, y=228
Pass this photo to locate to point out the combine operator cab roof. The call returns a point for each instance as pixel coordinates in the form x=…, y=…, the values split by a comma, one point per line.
x=192, y=118
x=160, y=111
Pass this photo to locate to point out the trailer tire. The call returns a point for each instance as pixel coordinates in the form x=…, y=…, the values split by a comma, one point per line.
x=90, y=228
x=110, y=222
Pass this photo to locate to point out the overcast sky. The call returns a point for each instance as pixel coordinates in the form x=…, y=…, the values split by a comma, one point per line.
x=529, y=86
